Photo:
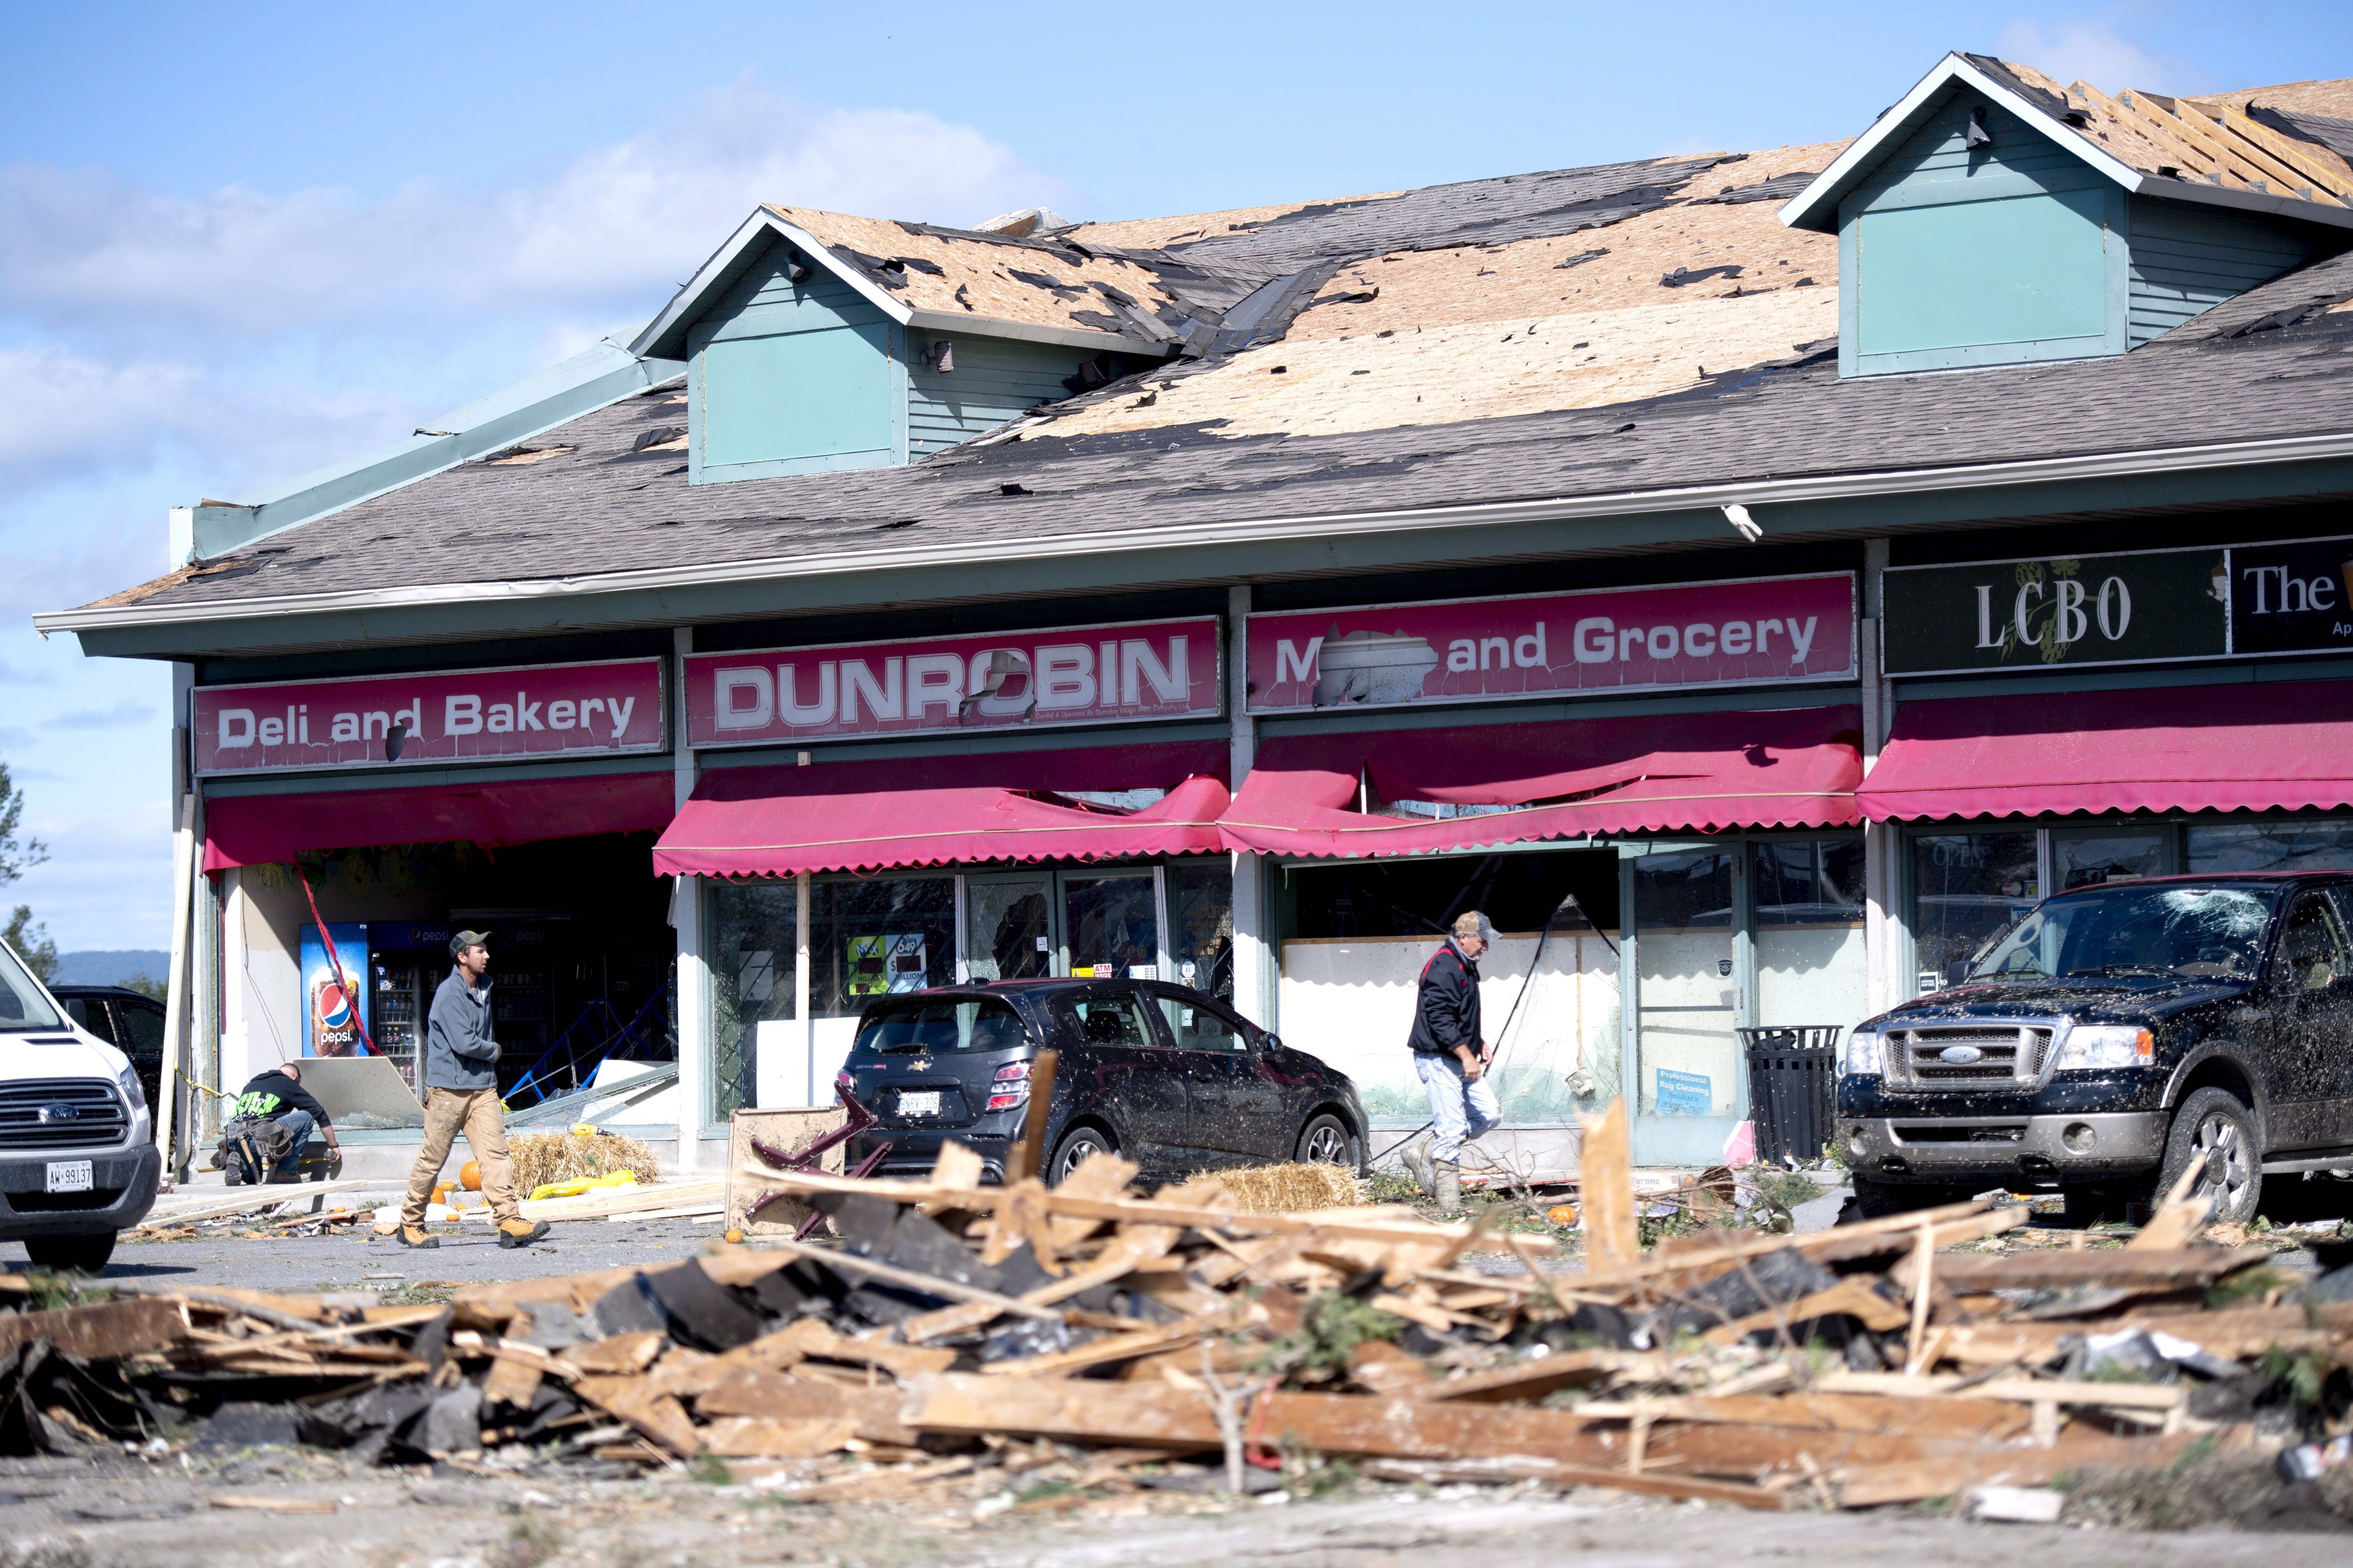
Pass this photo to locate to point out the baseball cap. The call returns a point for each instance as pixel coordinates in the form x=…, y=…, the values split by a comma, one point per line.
x=1473, y=922
x=466, y=938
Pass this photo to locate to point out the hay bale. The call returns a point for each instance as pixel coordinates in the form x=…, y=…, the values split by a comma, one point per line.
x=1288, y=1189
x=543, y=1157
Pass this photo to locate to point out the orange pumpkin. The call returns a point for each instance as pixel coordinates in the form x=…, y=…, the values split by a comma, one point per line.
x=470, y=1177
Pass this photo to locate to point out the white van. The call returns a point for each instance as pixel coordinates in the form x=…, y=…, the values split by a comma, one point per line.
x=77, y=1156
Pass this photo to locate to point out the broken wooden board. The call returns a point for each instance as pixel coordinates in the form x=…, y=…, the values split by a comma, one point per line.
x=1605, y=1183
x=101, y=1333
x=2153, y=1268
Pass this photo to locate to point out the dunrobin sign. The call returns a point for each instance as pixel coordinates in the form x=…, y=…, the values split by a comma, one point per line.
x=2145, y=606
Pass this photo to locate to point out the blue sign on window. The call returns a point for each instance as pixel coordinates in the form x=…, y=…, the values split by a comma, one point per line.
x=1684, y=1094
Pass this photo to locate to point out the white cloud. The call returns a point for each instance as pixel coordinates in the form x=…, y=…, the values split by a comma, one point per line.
x=129, y=712
x=618, y=226
x=2090, y=49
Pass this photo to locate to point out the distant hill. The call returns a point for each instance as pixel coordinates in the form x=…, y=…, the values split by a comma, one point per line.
x=109, y=966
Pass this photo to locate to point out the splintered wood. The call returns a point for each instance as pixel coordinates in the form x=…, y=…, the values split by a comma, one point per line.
x=946, y=1327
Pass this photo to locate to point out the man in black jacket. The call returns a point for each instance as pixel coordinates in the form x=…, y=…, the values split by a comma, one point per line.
x=275, y=1095
x=1451, y=1055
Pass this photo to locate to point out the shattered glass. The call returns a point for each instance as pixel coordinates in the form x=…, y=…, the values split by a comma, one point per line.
x=2124, y=932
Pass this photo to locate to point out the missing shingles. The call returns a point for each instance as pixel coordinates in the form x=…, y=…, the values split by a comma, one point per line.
x=515, y=457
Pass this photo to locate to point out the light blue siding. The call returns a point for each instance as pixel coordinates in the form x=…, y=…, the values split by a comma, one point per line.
x=789, y=378
x=2017, y=270
x=1951, y=256
x=2189, y=260
x=994, y=380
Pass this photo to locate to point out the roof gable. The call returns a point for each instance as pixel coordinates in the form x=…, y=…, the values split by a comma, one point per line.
x=2144, y=143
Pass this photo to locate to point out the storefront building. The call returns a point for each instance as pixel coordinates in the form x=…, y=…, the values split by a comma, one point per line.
x=1021, y=604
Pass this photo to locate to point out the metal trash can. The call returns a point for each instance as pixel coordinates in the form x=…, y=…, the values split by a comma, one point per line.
x=1792, y=1075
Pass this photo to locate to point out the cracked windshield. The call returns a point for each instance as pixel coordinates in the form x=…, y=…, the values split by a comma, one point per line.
x=2169, y=932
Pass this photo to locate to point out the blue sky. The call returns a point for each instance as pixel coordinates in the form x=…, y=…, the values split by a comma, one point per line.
x=237, y=243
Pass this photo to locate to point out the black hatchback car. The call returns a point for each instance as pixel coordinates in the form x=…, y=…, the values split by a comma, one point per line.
x=1159, y=1074
x=2114, y=1038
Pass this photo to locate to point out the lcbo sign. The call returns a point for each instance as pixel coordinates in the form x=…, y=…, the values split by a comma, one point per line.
x=1552, y=645
x=1075, y=675
x=463, y=716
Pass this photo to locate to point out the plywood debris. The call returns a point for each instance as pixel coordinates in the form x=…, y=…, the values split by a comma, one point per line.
x=944, y=1325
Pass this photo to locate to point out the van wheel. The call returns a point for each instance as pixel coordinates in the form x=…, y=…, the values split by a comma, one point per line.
x=2215, y=1132
x=1877, y=1200
x=83, y=1253
x=1079, y=1145
x=1324, y=1142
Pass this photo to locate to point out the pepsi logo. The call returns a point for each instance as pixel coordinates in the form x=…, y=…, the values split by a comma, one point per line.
x=334, y=1008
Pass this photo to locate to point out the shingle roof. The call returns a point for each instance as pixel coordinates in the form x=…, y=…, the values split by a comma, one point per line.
x=1581, y=332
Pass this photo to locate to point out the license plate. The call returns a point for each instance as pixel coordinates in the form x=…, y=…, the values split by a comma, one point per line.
x=71, y=1176
x=921, y=1102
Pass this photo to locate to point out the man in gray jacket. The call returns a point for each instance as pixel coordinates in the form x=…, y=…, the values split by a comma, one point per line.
x=462, y=1094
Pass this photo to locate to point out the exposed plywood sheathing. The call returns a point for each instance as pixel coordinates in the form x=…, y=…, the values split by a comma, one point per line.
x=1445, y=374
x=2332, y=99
x=982, y=270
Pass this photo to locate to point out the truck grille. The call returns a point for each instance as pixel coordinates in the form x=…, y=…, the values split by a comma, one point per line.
x=61, y=1113
x=2006, y=1053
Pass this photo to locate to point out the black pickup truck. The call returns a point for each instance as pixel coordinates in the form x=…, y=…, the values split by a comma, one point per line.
x=2111, y=1039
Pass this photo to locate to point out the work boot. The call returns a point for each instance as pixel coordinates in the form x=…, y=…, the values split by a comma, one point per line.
x=414, y=1235
x=1416, y=1163
x=520, y=1232
x=1448, y=1186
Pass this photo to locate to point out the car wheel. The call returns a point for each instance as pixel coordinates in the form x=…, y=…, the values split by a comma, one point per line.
x=1078, y=1145
x=83, y=1253
x=1877, y=1200
x=2215, y=1132
x=1324, y=1142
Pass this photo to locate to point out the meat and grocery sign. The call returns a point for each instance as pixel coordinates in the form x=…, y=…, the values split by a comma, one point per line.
x=449, y=716
x=1746, y=632
x=1071, y=674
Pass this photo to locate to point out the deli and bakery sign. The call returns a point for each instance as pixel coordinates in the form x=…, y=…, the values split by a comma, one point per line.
x=2145, y=606
x=1749, y=632
x=1071, y=674
x=449, y=716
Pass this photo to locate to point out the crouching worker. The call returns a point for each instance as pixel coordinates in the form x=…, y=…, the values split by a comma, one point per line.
x=462, y=1094
x=269, y=1126
x=1452, y=1059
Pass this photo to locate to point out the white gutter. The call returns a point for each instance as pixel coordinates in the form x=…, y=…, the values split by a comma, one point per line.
x=1751, y=494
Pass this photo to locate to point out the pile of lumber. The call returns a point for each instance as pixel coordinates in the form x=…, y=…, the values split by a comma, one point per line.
x=942, y=1326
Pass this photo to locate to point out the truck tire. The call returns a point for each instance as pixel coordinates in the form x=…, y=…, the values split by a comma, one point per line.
x=1877, y=1200
x=83, y=1253
x=2215, y=1127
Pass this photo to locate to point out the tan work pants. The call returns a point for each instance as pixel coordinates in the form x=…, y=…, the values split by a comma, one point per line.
x=477, y=1113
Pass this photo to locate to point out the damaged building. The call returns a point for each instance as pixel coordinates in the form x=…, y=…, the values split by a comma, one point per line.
x=1749, y=576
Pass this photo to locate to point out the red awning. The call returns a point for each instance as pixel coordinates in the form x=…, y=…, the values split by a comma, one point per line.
x=939, y=811
x=1681, y=773
x=251, y=829
x=2199, y=748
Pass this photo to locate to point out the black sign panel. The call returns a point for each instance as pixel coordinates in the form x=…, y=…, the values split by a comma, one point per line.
x=2291, y=598
x=2140, y=607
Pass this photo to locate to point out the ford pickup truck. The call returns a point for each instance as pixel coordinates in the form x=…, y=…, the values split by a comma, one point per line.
x=78, y=1158
x=2112, y=1039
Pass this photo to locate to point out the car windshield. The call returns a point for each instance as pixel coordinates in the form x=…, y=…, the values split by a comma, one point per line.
x=22, y=1004
x=930, y=1028
x=2136, y=930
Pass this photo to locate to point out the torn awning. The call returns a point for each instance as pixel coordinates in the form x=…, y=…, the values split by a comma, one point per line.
x=939, y=811
x=1679, y=772
x=2264, y=746
x=253, y=829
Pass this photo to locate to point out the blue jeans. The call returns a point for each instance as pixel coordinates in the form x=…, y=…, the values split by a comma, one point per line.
x=300, y=1124
x=1463, y=1110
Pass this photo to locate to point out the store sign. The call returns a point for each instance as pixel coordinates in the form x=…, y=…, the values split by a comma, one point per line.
x=454, y=716
x=2150, y=606
x=1554, y=644
x=1075, y=675
x=2291, y=598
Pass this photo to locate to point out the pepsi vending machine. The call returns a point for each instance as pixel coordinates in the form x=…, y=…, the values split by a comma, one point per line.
x=333, y=1010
